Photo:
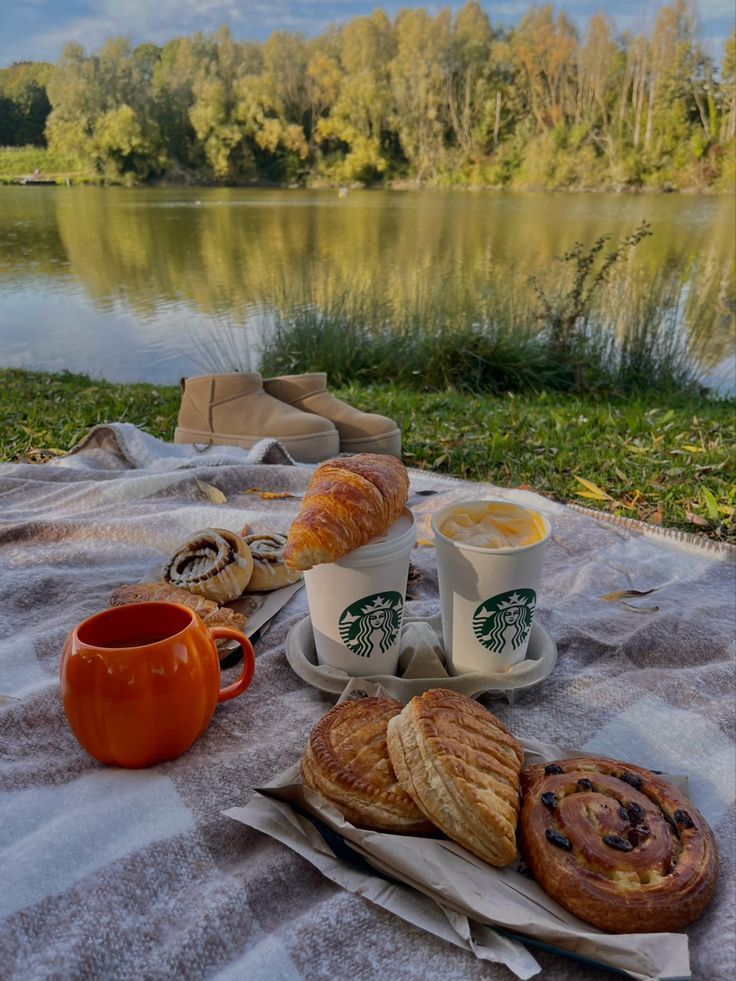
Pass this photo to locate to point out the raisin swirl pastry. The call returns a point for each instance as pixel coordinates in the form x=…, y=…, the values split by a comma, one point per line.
x=616, y=845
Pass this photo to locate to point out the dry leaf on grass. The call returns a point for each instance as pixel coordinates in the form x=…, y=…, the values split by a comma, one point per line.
x=592, y=491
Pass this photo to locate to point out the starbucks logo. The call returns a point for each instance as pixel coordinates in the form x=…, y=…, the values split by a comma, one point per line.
x=371, y=624
x=502, y=623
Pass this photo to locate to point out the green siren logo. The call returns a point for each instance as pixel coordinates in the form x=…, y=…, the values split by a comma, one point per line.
x=502, y=623
x=371, y=624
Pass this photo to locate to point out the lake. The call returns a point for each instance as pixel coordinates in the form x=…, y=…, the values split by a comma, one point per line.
x=151, y=284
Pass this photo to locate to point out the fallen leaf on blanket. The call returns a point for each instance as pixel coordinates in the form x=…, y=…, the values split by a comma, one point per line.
x=623, y=594
x=269, y=495
x=639, y=609
x=592, y=491
x=213, y=494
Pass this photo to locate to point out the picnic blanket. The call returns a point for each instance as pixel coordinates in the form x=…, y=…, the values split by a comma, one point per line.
x=137, y=874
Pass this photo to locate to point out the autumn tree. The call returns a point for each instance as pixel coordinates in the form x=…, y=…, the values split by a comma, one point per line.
x=419, y=73
x=359, y=116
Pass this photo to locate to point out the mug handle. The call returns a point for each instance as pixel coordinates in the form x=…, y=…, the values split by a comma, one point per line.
x=249, y=662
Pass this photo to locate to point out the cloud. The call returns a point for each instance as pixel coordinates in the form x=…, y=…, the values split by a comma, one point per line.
x=43, y=26
x=38, y=29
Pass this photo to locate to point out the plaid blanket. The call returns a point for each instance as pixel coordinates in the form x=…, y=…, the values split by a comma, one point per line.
x=137, y=874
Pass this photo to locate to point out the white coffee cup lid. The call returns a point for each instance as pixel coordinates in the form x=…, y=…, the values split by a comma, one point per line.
x=401, y=535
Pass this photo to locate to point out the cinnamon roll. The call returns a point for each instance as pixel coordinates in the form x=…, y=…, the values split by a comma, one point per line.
x=270, y=570
x=214, y=563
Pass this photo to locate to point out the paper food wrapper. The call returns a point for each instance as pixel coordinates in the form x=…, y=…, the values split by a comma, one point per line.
x=440, y=887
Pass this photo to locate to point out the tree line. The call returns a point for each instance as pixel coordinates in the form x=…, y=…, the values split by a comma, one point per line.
x=442, y=99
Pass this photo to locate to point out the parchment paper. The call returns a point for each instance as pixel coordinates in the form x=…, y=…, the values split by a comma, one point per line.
x=472, y=896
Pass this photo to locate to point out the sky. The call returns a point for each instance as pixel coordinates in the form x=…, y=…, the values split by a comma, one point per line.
x=36, y=30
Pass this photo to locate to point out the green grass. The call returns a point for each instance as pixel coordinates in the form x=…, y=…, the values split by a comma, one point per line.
x=665, y=460
x=20, y=161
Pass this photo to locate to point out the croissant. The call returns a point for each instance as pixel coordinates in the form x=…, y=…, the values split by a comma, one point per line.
x=348, y=502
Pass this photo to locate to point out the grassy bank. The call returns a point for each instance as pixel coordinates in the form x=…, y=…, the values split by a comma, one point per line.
x=665, y=460
x=20, y=161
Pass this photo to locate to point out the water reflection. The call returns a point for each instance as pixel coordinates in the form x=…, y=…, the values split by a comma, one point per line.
x=118, y=282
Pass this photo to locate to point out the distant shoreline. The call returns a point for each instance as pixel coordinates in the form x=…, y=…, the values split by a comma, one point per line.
x=395, y=185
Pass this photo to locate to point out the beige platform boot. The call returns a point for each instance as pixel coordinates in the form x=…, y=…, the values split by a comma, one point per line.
x=234, y=410
x=360, y=432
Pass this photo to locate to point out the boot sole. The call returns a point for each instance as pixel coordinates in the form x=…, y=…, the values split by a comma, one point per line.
x=312, y=448
x=386, y=443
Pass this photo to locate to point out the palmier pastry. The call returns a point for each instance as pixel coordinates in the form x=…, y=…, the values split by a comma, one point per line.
x=270, y=571
x=348, y=502
x=616, y=845
x=214, y=563
x=462, y=768
x=346, y=761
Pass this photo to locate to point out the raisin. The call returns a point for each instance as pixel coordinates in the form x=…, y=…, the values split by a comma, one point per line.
x=635, y=812
x=584, y=784
x=632, y=780
x=683, y=819
x=622, y=812
x=620, y=844
x=549, y=800
x=553, y=768
x=639, y=834
x=557, y=838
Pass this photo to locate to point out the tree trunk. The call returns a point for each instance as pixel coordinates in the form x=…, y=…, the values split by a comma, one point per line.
x=639, y=105
x=650, y=110
x=701, y=110
x=497, y=121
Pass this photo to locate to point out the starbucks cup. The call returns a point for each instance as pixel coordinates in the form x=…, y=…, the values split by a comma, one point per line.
x=487, y=596
x=357, y=603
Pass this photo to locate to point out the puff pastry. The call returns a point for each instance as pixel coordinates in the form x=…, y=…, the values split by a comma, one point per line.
x=462, y=768
x=348, y=502
x=617, y=845
x=214, y=562
x=270, y=571
x=163, y=592
x=346, y=761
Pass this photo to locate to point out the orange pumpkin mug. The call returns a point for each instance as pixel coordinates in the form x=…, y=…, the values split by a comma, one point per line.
x=140, y=682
